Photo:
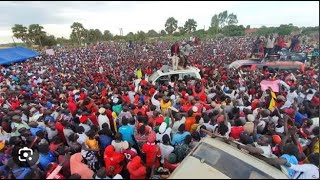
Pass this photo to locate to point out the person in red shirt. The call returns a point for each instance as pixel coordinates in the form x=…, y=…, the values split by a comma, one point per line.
x=136, y=169
x=72, y=105
x=113, y=161
x=152, y=151
x=128, y=151
x=140, y=109
x=236, y=130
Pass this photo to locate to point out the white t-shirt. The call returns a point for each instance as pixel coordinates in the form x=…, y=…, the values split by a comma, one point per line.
x=159, y=136
x=117, y=146
x=103, y=119
x=267, y=151
x=176, y=125
x=82, y=138
x=291, y=96
x=165, y=151
x=309, y=171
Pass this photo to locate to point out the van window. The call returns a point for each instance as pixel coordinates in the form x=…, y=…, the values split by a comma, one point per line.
x=225, y=163
x=162, y=79
x=190, y=74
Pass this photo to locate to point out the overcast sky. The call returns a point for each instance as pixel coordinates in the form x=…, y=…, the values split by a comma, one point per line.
x=57, y=16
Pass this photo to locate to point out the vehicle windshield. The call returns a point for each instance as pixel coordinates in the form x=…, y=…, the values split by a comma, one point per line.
x=153, y=76
x=226, y=163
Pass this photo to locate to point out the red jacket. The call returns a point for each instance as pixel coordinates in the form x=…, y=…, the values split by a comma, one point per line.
x=136, y=169
x=113, y=161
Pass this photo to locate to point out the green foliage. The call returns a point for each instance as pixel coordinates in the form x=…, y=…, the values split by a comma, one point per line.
x=78, y=32
x=36, y=34
x=171, y=25
x=233, y=30
x=285, y=29
x=310, y=30
x=49, y=40
x=107, y=36
x=190, y=26
x=219, y=21
x=214, y=24
x=152, y=33
x=141, y=36
x=163, y=33
x=20, y=32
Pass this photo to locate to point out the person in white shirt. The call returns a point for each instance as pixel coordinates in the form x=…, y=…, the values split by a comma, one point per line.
x=103, y=118
x=178, y=121
x=165, y=148
x=261, y=145
x=82, y=136
x=155, y=101
x=307, y=171
x=163, y=130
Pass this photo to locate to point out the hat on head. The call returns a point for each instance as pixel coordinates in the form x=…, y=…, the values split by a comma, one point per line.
x=83, y=119
x=276, y=139
x=162, y=127
x=102, y=110
x=290, y=111
x=115, y=100
x=195, y=109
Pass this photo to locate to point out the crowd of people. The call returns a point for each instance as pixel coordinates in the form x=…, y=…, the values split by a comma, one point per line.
x=80, y=110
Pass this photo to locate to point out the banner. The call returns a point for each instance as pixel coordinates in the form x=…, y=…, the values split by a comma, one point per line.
x=273, y=84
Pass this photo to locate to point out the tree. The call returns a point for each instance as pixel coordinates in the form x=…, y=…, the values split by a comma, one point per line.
x=107, y=35
x=285, y=29
x=232, y=19
x=49, y=40
x=215, y=24
x=248, y=27
x=190, y=25
x=152, y=33
x=233, y=30
x=62, y=40
x=20, y=32
x=78, y=30
x=141, y=36
x=171, y=25
x=222, y=17
x=36, y=33
x=181, y=30
x=163, y=33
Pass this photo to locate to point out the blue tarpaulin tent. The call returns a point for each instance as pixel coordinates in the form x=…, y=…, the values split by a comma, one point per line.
x=16, y=54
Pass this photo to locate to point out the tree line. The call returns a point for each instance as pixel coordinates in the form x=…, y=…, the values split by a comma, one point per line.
x=222, y=23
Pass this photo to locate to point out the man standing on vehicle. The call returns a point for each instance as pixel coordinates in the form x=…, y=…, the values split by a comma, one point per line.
x=175, y=55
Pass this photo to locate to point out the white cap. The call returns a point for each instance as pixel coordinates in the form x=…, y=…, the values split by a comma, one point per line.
x=162, y=127
x=195, y=109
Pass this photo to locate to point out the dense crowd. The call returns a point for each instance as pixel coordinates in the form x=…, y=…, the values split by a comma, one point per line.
x=81, y=111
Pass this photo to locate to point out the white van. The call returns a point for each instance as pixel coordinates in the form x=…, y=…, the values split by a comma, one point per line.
x=214, y=159
x=160, y=76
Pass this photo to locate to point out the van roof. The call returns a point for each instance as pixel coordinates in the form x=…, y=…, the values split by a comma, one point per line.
x=192, y=164
x=186, y=70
